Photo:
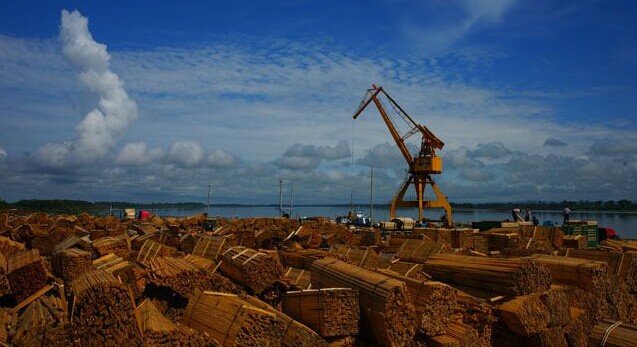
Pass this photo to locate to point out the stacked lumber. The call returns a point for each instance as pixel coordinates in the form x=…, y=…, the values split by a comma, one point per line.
x=184, y=277
x=6, y=318
x=110, y=263
x=255, y=270
x=385, y=259
x=152, y=249
x=70, y=263
x=367, y=258
x=576, y=331
x=298, y=278
x=304, y=258
x=395, y=242
x=475, y=241
x=478, y=314
x=72, y=241
x=457, y=334
x=42, y=323
x=557, y=304
x=407, y=269
x=244, y=321
x=103, y=311
x=613, y=334
x=211, y=247
x=8, y=246
x=505, y=276
x=330, y=312
x=622, y=265
x=201, y=262
x=525, y=315
x=387, y=313
x=26, y=273
x=618, y=245
x=434, y=302
x=419, y=251
x=574, y=241
x=499, y=242
x=117, y=245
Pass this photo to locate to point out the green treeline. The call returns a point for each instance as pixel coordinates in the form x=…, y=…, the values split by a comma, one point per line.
x=73, y=206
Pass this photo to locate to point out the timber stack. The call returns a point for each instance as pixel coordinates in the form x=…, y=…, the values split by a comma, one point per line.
x=26, y=273
x=255, y=270
x=184, y=277
x=70, y=263
x=613, y=334
x=504, y=276
x=387, y=313
x=103, y=311
x=330, y=312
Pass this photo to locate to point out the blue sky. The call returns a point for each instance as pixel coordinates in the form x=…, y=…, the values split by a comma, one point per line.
x=151, y=100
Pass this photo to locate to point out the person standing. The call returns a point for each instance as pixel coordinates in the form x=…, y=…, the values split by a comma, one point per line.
x=516, y=215
x=527, y=215
x=567, y=215
x=535, y=221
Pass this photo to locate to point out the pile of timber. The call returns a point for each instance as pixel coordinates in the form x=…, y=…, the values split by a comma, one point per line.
x=613, y=334
x=8, y=246
x=26, y=273
x=72, y=241
x=103, y=312
x=303, y=258
x=70, y=263
x=6, y=319
x=525, y=315
x=618, y=245
x=42, y=323
x=160, y=331
x=255, y=270
x=245, y=321
x=505, y=276
x=117, y=245
x=211, y=247
x=184, y=277
x=367, y=258
x=330, y=312
x=419, y=251
x=5, y=288
x=574, y=241
x=152, y=249
x=387, y=313
x=456, y=334
x=407, y=269
x=588, y=281
x=201, y=262
x=501, y=241
x=435, y=302
x=478, y=314
x=622, y=265
x=298, y=278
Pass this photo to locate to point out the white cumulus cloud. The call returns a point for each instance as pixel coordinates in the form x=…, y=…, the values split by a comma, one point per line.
x=186, y=153
x=137, y=154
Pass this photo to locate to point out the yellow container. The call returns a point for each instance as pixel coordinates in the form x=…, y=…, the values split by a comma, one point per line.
x=428, y=164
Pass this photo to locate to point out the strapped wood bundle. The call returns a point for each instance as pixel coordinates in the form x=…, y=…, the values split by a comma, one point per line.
x=72, y=241
x=26, y=273
x=116, y=245
x=457, y=334
x=211, y=247
x=298, y=278
x=622, y=265
x=367, y=258
x=255, y=270
x=478, y=314
x=407, y=269
x=498, y=242
x=576, y=331
x=244, y=321
x=201, y=262
x=152, y=249
x=103, y=311
x=505, y=276
x=419, y=251
x=303, y=258
x=385, y=259
x=619, y=245
x=574, y=241
x=387, y=313
x=184, y=277
x=557, y=303
x=435, y=302
x=330, y=312
x=525, y=315
x=611, y=333
x=8, y=246
x=586, y=274
x=70, y=263
x=42, y=323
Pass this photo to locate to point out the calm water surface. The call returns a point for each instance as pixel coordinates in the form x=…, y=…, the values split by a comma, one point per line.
x=624, y=223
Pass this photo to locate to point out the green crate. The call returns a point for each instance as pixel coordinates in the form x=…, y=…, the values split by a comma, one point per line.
x=588, y=230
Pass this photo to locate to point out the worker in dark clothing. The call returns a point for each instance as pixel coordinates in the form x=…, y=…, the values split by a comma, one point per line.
x=535, y=221
x=527, y=215
x=516, y=215
x=567, y=214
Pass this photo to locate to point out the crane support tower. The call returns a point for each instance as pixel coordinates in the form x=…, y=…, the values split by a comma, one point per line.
x=422, y=165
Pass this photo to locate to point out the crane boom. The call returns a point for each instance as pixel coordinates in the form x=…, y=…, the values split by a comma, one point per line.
x=421, y=165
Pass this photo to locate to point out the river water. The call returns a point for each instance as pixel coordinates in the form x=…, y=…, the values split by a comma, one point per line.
x=624, y=223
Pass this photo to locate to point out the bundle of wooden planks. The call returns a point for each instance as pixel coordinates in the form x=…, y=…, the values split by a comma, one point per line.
x=478, y=314
x=419, y=251
x=622, y=265
x=201, y=262
x=613, y=334
x=255, y=270
x=152, y=249
x=387, y=313
x=70, y=263
x=298, y=278
x=245, y=321
x=525, y=315
x=184, y=277
x=330, y=312
x=42, y=323
x=435, y=302
x=505, y=276
x=456, y=334
x=407, y=269
x=103, y=312
x=574, y=241
x=367, y=257
x=117, y=245
x=26, y=273
x=211, y=247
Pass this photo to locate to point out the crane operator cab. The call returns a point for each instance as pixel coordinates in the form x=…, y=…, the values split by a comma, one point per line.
x=429, y=164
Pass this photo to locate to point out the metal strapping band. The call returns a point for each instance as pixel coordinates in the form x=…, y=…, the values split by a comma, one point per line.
x=608, y=331
x=240, y=253
x=252, y=257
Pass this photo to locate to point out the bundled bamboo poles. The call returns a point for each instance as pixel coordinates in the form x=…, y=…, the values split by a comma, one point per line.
x=255, y=270
x=103, y=311
x=435, y=302
x=505, y=276
x=237, y=321
x=184, y=277
x=26, y=273
x=613, y=334
x=387, y=313
x=298, y=278
x=330, y=312
x=70, y=263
